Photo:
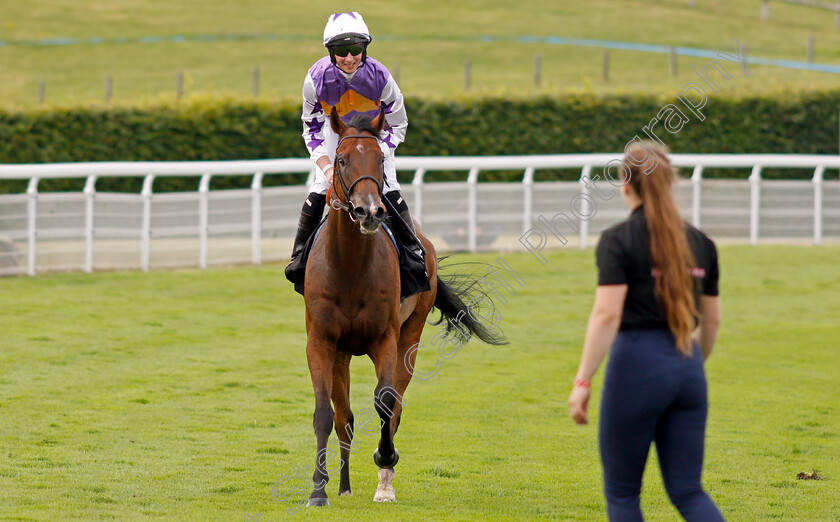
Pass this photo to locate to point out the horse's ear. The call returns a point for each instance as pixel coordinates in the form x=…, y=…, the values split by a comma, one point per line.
x=378, y=123
x=336, y=123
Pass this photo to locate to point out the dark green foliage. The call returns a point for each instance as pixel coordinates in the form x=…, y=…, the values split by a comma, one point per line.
x=208, y=130
x=803, y=122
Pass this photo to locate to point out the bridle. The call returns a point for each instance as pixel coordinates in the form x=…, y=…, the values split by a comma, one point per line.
x=348, y=207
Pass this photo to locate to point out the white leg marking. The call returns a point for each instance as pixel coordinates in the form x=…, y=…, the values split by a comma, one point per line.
x=385, y=491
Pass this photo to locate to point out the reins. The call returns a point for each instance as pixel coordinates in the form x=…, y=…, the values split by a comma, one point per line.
x=348, y=207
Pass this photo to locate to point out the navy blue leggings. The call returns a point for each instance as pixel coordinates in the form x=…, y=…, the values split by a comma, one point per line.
x=653, y=394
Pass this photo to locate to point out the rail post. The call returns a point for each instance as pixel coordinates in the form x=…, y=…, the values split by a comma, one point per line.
x=818, y=204
x=109, y=89
x=696, y=182
x=527, y=199
x=90, y=195
x=837, y=13
x=755, y=202
x=256, y=219
x=472, y=187
x=605, y=66
x=32, y=216
x=467, y=75
x=146, y=226
x=417, y=183
x=584, y=223
x=203, y=219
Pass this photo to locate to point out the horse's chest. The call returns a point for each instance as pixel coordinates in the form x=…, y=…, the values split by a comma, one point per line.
x=361, y=329
x=367, y=317
x=366, y=321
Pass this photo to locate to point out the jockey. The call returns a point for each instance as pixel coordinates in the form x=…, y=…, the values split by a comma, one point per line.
x=352, y=82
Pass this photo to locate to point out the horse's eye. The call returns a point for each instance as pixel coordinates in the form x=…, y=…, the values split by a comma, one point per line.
x=341, y=161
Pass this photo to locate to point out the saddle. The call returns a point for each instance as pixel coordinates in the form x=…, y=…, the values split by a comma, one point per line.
x=413, y=276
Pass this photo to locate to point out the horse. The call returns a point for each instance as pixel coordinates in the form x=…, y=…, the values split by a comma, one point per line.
x=353, y=307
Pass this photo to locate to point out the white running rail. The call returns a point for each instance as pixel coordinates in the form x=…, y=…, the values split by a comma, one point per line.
x=48, y=231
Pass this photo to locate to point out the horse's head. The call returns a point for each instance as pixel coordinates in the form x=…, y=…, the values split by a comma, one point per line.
x=359, y=169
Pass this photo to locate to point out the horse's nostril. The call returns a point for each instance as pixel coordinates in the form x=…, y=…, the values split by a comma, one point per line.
x=359, y=212
x=380, y=213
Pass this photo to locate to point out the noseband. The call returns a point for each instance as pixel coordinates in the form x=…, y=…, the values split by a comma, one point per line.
x=346, y=191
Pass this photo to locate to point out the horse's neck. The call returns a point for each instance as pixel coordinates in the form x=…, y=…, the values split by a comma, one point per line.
x=346, y=247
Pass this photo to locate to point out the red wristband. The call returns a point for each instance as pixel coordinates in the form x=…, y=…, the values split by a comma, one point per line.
x=582, y=383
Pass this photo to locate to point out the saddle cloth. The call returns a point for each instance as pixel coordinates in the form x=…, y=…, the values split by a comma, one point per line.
x=413, y=276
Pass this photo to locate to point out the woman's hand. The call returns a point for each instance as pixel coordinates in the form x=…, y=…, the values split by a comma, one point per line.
x=578, y=402
x=328, y=173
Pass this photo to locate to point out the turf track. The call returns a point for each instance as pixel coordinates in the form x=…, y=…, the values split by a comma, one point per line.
x=185, y=395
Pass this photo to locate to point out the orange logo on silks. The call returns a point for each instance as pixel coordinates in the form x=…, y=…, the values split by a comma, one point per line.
x=351, y=101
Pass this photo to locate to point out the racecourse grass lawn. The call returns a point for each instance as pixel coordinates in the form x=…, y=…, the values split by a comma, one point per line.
x=425, y=43
x=185, y=395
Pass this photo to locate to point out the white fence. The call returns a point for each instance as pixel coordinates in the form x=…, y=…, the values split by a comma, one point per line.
x=92, y=230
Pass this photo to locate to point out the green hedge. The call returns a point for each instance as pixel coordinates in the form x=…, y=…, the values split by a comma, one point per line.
x=214, y=129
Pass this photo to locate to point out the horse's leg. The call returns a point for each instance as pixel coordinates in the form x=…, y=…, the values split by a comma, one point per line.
x=386, y=456
x=402, y=376
x=343, y=417
x=409, y=337
x=410, y=333
x=320, y=361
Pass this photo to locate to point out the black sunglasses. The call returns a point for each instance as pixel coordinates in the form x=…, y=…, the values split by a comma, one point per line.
x=344, y=50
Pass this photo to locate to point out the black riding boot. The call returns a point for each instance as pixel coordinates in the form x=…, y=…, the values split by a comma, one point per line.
x=413, y=275
x=306, y=226
x=310, y=217
x=403, y=222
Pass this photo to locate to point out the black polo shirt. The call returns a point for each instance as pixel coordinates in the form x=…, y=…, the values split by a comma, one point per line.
x=623, y=258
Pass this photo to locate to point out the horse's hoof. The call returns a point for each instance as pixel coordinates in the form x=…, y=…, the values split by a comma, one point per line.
x=347, y=493
x=385, y=488
x=385, y=495
x=386, y=463
x=318, y=502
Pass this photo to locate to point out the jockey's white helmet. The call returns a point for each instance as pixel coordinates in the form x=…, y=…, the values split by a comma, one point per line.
x=345, y=29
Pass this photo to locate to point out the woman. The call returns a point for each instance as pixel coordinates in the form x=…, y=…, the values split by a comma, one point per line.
x=657, y=306
x=354, y=83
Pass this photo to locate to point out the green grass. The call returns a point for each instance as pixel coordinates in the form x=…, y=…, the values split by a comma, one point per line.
x=185, y=395
x=428, y=40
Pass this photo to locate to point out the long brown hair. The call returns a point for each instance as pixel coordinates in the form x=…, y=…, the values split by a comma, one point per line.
x=651, y=177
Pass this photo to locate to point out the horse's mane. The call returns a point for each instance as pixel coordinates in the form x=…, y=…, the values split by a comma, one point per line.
x=363, y=122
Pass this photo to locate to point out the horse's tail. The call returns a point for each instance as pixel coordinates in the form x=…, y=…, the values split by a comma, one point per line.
x=465, y=319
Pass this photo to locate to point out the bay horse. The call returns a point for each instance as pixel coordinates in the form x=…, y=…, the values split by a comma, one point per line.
x=353, y=308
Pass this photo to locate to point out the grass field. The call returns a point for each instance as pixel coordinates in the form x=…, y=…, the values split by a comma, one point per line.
x=185, y=395
x=427, y=41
